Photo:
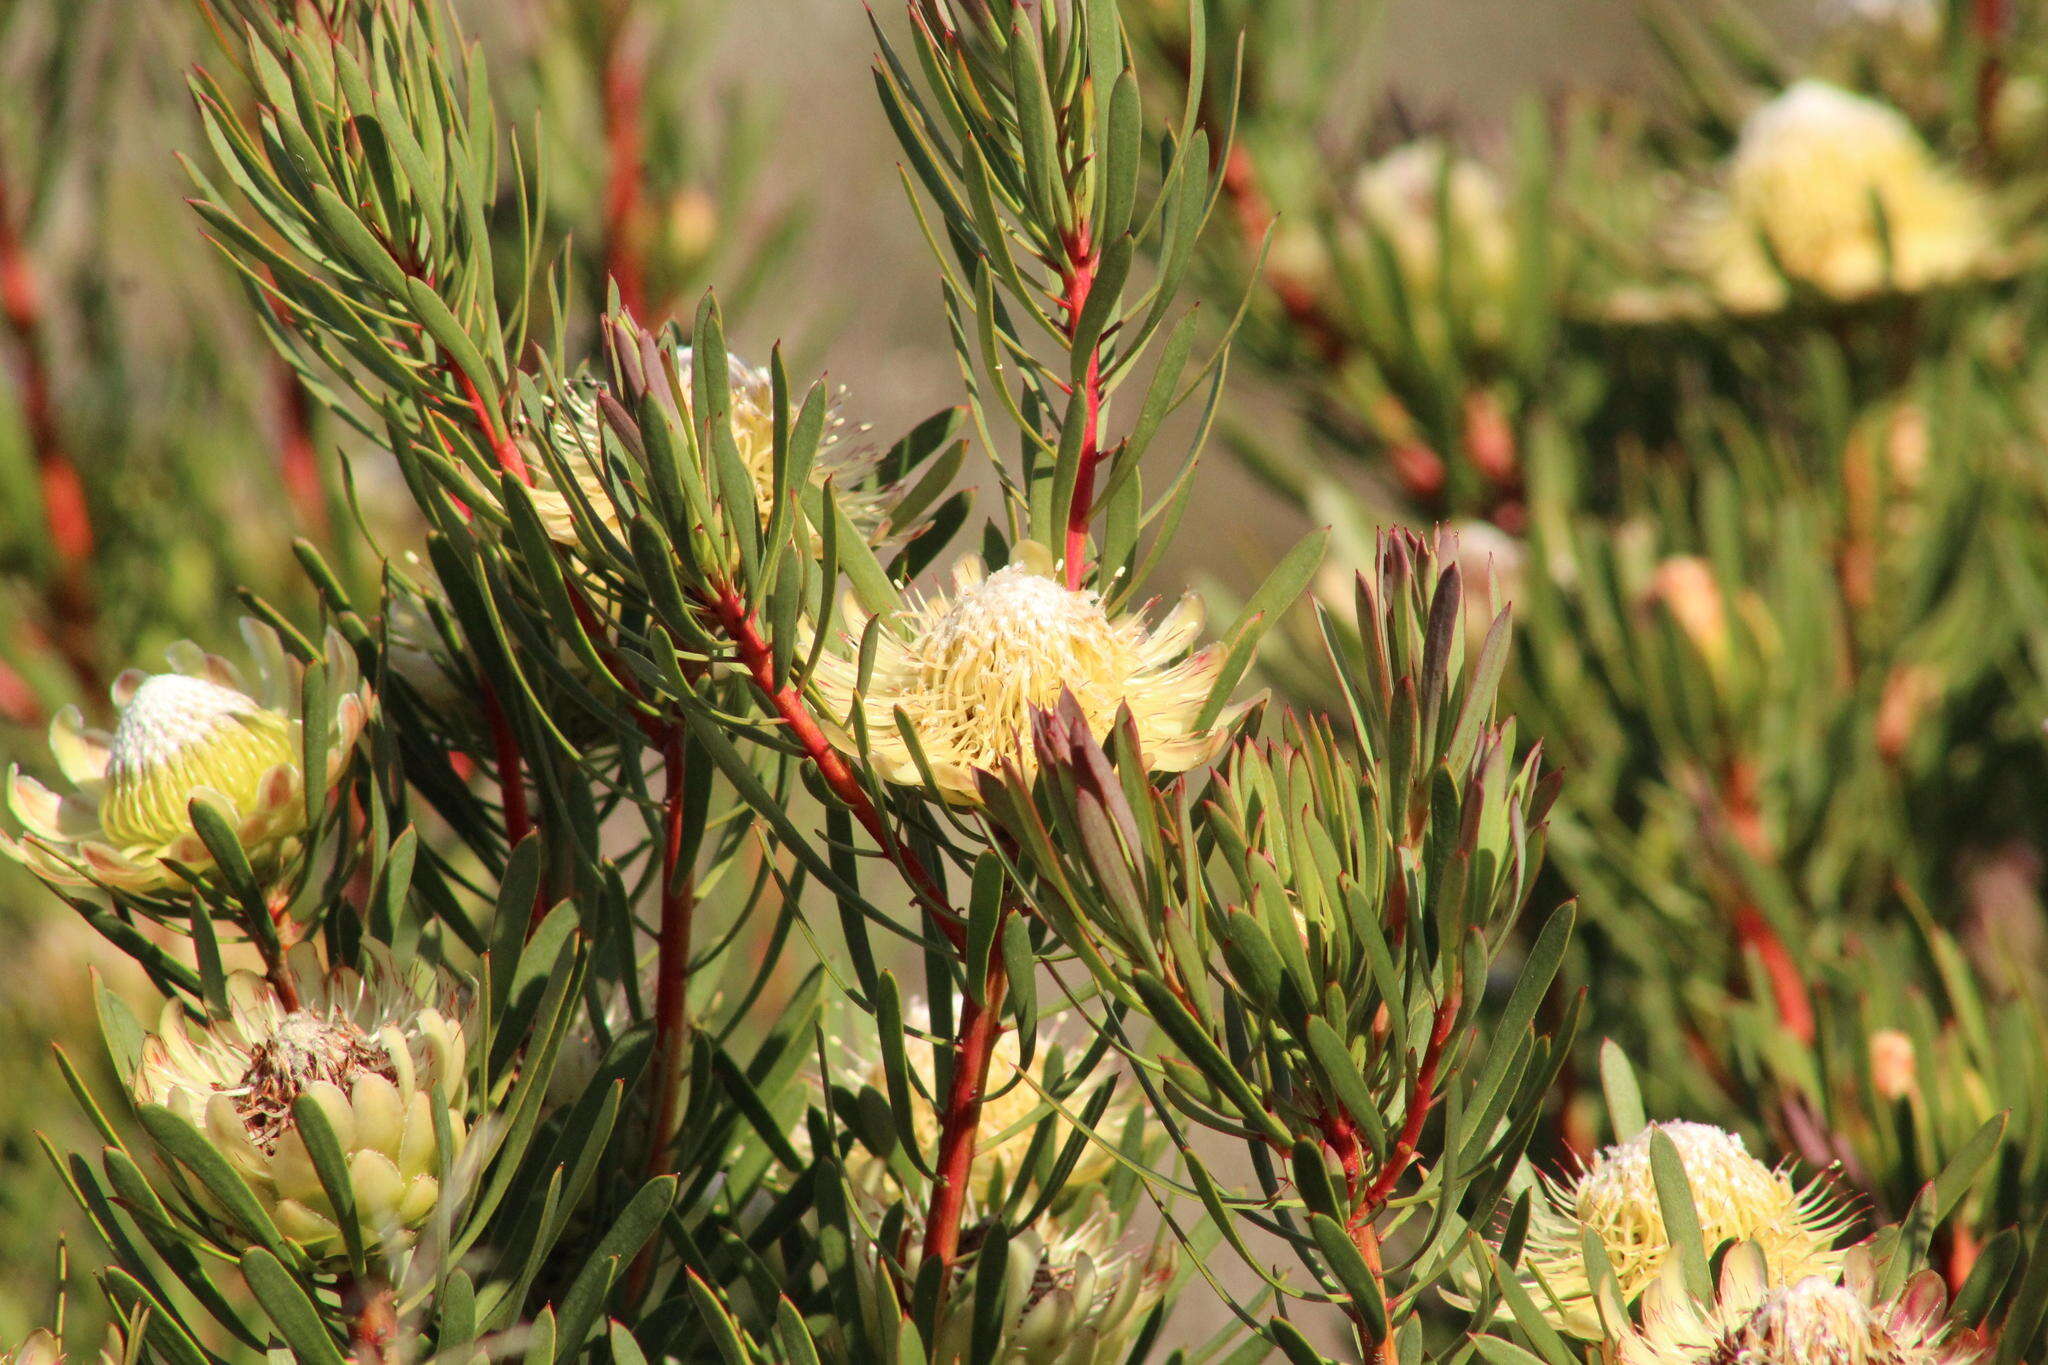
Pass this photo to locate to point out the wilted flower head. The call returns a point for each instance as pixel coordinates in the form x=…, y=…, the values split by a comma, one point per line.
x=200, y=730
x=1754, y=1320
x=366, y=1051
x=1839, y=193
x=1615, y=1198
x=1412, y=192
x=969, y=667
x=577, y=437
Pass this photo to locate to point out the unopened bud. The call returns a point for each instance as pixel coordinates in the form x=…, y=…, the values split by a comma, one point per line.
x=1894, y=1072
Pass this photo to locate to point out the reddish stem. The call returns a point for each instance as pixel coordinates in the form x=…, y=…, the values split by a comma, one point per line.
x=960, y=1125
x=65, y=513
x=624, y=85
x=1421, y=1099
x=740, y=627
x=671, y=982
x=501, y=443
x=1254, y=220
x=511, y=785
x=298, y=461
x=1752, y=930
x=1988, y=21
x=1083, y=260
x=672, y=969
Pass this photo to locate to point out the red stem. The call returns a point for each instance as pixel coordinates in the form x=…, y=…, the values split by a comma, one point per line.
x=960, y=1125
x=372, y=1310
x=740, y=627
x=1421, y=1099
x=502, y=446
x=65, y=513
x=624, y=85
x=672, y=970
x=671, y=983
x=1083, y=260
x=511, y=786
x=1988, y=20
x=1254, y=221
x=298, y=461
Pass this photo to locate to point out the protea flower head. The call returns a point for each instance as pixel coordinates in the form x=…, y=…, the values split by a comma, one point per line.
x=1615, y=1198
x=576, y=436
x=1399, y=194
x=201, y=730
x=367, y=1051
x=1015, y=1102
x=1837, y=192
x=968, y=667
x=1074, y=1292
x=1811, y=1321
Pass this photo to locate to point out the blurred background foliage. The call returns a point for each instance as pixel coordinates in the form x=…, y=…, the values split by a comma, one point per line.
x=1780, y=584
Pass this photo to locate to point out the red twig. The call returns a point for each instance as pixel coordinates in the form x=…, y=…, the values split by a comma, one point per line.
x=1421, y=1099
x=1988, y=21
x=740, y=627
x=66, y=516
x=1254, y=220
x=1083, y=260
x=960, y=1125
x=502, y=446
x=511, y=785
x=671, y=982
x=625, y=70
x=298, y=462
x=1751, y=929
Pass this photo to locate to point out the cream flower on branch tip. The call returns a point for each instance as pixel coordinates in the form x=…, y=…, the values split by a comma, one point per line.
x=576, y=436
x=1073, y=1293
x=967, y=667
x=1755, y=1320
x=1017, y=1100
x=1737, y=1197
x=1837, y=192
x=366, y=1051
x=200, y=730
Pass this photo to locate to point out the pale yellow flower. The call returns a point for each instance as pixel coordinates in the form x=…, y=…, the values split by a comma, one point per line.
x=576, y=437
x=969, y=666
x=367, y=1052
x=1755, y=1320
x=1738, y=1198
x=1840, y=193
x=197, y=731
x=1399, y=194
x=1074, y=1295
x=1015, y=1104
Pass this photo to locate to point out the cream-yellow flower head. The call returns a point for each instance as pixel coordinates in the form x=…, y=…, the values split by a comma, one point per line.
x=1841, y=194
x=1811, y=1321
x=1074, y=1293
x=576, y=436
x=1738, y=1199
x=201, y=730
x=969, y=666
x=368, y=1053
x=1016, y=1103
x=1399, y=194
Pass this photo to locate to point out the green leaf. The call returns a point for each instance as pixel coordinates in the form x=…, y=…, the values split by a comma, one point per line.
x=1282, y=587
x=1624, y=1096
x=290, y=1309
x=1348, y=1265
x=1681, y=1217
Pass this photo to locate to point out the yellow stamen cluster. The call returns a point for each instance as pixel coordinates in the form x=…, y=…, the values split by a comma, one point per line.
x=1840, y=194
x=968, y=669
x=1737, y=1197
